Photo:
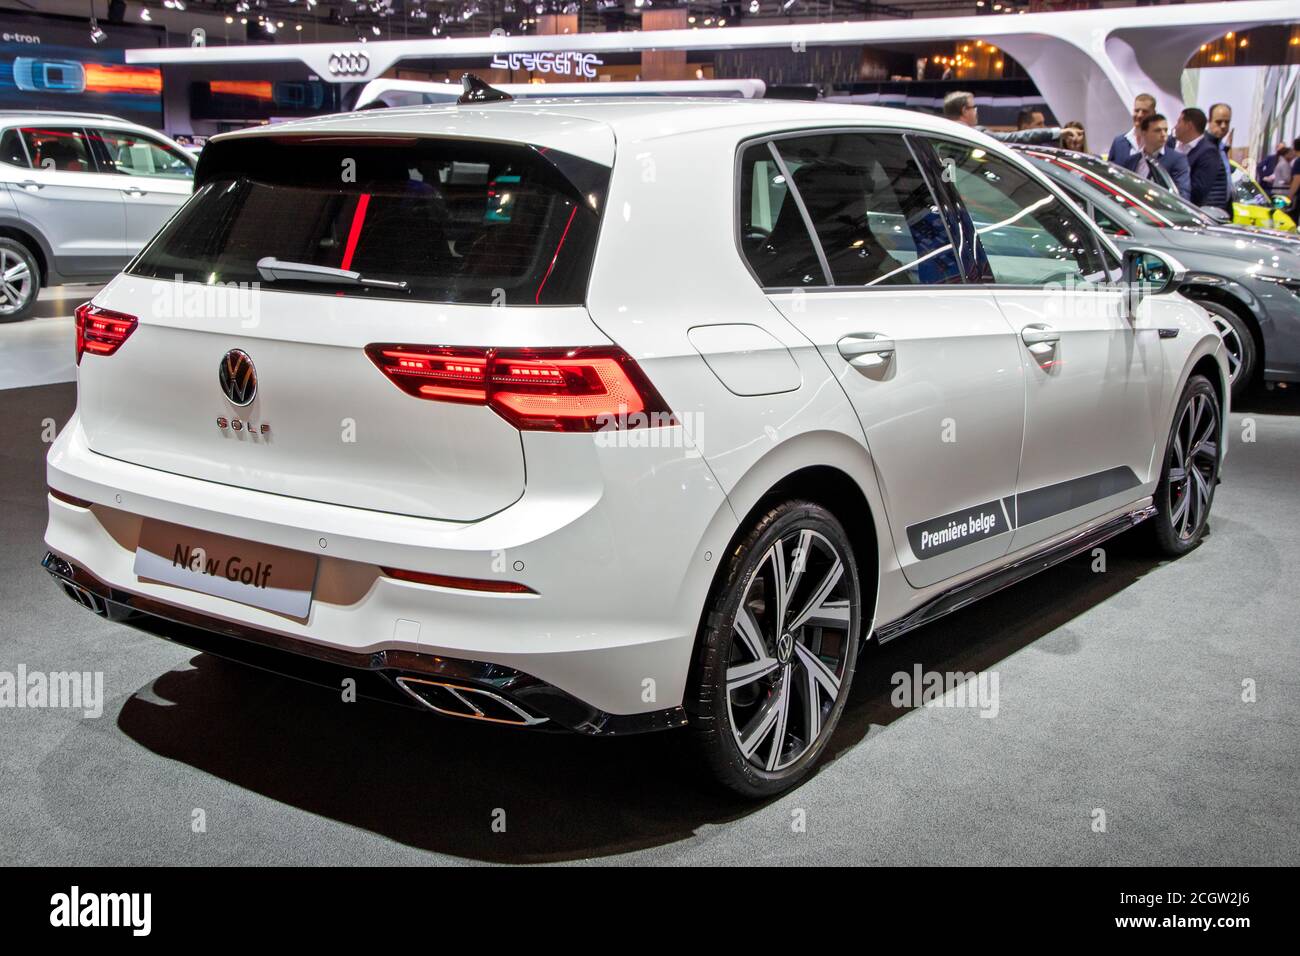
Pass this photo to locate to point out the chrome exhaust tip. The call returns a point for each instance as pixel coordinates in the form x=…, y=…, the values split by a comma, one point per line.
x=63, y=573
x=473, y=703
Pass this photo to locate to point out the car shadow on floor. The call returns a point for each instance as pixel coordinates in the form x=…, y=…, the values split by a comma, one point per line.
x=439, y=784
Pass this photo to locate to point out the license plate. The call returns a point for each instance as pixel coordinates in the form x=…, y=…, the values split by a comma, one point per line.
x=260, y=575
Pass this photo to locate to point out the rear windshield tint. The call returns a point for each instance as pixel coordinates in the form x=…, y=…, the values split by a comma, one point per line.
x=457, y=221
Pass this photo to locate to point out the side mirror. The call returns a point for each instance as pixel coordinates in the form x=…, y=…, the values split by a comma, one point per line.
x=1148, y=272
x=1221, y=216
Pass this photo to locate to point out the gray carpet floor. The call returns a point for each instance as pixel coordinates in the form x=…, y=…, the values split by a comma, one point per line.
x=1119, y=692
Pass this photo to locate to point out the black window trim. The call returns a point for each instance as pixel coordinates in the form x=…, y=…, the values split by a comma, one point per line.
x=1099, y=238
x=769, y=139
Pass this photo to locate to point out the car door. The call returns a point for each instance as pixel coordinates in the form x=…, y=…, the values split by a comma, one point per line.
x=154, y=178
x=842, y=230
x=78, y=211
x=1092, y=380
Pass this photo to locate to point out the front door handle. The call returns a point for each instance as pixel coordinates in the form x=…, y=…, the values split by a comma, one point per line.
x=866, y=350
x=1040, y=339
x=134, y=191
x=31, y=184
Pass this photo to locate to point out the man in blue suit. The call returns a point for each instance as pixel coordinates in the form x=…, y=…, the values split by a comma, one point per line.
x=1157, y=161
x=1126, y=144
x=1210, y=186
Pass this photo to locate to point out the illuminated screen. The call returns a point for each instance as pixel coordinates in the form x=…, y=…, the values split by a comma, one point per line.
x=50, y=77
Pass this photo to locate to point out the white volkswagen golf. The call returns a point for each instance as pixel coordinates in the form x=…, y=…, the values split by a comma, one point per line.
x=617, y=416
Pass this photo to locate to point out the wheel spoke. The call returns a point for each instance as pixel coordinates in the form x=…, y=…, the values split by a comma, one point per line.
x=782, y=720
x=820, y=605
x=750, y=633
x=15, y=273
x=742, y=674
x=812, y=701
x=800, y=562
x=779, y=581
x=821, y=675
x=758, y=729
x=1179, y=511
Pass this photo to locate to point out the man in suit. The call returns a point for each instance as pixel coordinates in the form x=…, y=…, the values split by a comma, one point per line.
x=1219, y=125
x=1126, y=144
x=1157, y=162
x=1210, y=184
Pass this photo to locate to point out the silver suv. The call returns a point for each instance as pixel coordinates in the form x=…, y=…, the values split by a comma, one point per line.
x=80, y=194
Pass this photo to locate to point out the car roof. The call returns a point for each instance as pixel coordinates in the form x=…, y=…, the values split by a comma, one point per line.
x=588, y=126
x=11, y=117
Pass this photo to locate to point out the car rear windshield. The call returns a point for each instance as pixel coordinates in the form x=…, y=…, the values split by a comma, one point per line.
x=455, y=220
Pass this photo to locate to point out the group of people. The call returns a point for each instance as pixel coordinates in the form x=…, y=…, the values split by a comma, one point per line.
x=1279, y=172
x=1190, y=159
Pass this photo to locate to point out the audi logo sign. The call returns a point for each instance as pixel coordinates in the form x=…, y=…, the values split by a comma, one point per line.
x=349, y=63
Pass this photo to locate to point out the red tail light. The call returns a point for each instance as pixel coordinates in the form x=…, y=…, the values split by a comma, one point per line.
x=100, y=331
x=575, y=390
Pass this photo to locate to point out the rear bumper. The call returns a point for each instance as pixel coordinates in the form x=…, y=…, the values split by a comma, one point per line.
x=616, y=544
x=474, y=690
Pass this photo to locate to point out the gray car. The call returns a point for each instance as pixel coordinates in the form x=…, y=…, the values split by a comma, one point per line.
x=1248, y=280
x=80, y=195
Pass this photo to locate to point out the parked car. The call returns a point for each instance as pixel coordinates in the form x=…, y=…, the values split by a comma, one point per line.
x=616, y=416
x=80, y=194
x=1247, y=279
x=1253, y=206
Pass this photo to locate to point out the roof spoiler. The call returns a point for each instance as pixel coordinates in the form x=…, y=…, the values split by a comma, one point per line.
x=478, y=90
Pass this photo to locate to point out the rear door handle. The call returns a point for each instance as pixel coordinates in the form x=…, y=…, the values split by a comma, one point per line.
x=134, y=191
x=1040, y=339
x=866, y=350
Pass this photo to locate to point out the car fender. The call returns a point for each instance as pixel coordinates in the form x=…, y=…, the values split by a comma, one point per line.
x=1194, y=340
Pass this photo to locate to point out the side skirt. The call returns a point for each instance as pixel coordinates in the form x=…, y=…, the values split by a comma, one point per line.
x=971, y=591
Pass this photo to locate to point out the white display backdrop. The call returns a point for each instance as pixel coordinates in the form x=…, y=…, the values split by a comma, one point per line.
x=1265, y=102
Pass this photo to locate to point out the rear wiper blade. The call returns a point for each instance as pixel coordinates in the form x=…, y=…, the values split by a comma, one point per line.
x=272, y=269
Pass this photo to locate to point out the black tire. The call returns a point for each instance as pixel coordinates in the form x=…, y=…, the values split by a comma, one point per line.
x=12, y=255
x=1243, y=350
x=1182, y=499
x=808, y=660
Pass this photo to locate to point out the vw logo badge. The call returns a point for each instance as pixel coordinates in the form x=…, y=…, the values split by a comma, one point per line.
x=785, y=647
x=238, y=378
x=349, y=63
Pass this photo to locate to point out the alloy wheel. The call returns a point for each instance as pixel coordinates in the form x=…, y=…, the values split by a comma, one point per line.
x=15, y=282
x=1193, y=466
x=789, y=649
x=1232, y=344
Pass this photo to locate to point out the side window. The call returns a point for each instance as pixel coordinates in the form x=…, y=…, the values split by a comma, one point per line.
x=875, y=217
x=134, y=155
x=773, y=235
x=64, y=149
x=1098, y=215
x=1027, y=235
x=11, y=149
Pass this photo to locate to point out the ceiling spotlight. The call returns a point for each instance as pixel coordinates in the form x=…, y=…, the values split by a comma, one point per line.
x=375, y=29
x=145, y=15
x=97, y=35
x=753, y=6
